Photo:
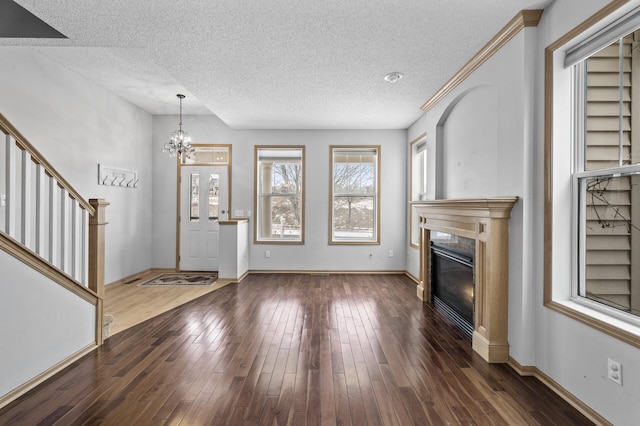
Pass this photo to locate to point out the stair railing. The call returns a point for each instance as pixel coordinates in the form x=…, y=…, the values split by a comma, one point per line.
x=48, y=224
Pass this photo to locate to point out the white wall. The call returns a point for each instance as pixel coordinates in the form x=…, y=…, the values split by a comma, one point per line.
x=508, y=92
x=76, y=125
x=54, y=323
x=316, y=253
x=469, y=135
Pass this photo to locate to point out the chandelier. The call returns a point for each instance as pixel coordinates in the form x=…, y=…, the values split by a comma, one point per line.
x=180, y=142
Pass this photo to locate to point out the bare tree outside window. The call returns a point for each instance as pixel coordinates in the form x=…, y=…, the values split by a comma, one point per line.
x=280, y=179
x=608, y=180
x=286, y=209
x=354, y=195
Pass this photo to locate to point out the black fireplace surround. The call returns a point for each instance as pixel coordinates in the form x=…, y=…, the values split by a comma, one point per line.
x=453, y=285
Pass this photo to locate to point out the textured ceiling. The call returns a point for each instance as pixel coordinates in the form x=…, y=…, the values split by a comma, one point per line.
x=273, y=64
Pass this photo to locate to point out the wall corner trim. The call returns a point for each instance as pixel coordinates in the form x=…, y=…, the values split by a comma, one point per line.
x=531, y=371
x=524, y=18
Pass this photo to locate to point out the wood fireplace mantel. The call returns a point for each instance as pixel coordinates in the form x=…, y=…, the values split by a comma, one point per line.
x=485, y=220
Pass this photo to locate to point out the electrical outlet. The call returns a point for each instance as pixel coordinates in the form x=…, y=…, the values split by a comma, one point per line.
x=267, y=254
x=614, y=369
x=390, y=253
x=3, y=200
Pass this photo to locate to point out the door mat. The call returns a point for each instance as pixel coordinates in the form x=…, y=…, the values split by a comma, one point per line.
x=181, y=279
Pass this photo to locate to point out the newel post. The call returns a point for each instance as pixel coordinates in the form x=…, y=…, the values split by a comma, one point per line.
x=96, y=258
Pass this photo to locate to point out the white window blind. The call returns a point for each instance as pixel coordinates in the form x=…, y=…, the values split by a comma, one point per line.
x=615, y=30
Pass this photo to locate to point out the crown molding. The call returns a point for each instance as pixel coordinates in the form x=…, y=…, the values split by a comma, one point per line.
x=524, y=18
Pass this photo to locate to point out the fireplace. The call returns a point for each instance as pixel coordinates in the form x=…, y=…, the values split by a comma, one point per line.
x=452, y=283
x=485, y=221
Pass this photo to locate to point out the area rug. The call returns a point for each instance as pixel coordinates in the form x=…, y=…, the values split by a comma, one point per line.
x=181, y=279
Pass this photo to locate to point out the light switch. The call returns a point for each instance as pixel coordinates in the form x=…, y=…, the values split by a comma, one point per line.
x=238, y=213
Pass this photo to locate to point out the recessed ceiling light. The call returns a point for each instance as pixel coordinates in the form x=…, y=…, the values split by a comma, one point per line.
x=393, y=77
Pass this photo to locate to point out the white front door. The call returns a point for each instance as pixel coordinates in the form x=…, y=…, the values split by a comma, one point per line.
x=203, y=202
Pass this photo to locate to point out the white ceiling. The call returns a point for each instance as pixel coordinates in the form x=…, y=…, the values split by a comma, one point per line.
x=273, y=64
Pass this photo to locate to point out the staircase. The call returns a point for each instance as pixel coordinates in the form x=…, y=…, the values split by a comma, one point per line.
x=51, y=271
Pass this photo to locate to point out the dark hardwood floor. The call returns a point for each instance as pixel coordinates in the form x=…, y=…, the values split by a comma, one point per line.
x=293, y=349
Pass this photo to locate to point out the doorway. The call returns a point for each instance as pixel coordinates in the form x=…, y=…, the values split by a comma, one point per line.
x=204, y=201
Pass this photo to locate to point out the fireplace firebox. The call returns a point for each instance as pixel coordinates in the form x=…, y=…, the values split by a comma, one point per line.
x=453, y=284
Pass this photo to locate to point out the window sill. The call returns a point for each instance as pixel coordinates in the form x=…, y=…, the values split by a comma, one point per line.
x=621, y=330
x=279, y=242
x=354, y=243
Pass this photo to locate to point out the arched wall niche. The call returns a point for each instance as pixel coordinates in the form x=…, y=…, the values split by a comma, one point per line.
x=467, y=135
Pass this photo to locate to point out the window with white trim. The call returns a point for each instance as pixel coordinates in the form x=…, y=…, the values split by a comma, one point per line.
x=279, y=194
x=355, y=199
x=606, y=168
